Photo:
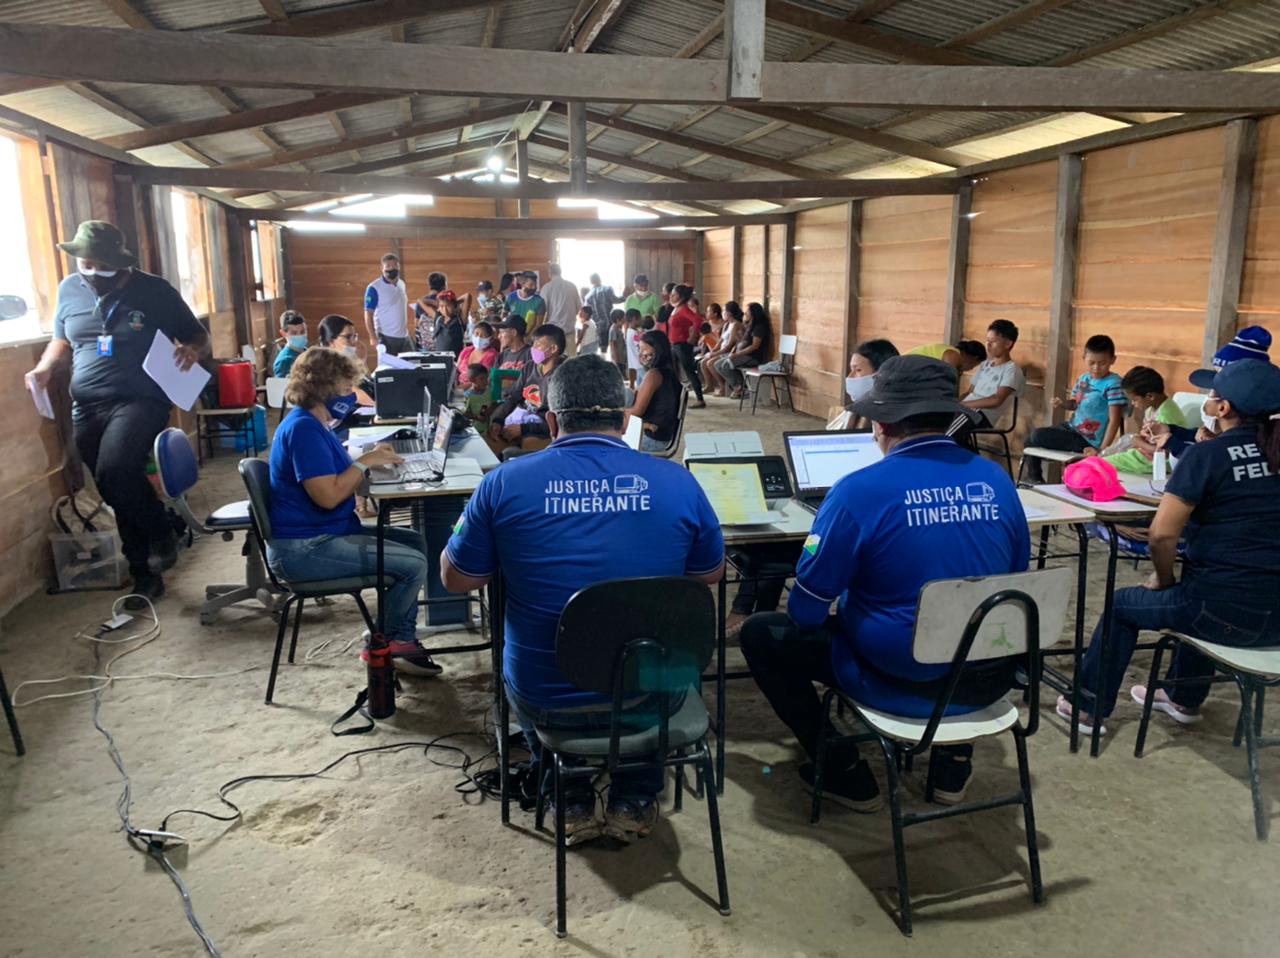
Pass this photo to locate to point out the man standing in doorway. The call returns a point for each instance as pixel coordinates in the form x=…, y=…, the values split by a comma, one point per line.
x=563, y=302
x=386, y=309
x=642, y=298
x=602, y=299
x=107, y=317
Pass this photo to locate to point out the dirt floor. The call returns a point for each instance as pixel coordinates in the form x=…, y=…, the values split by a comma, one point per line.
x=384, y=856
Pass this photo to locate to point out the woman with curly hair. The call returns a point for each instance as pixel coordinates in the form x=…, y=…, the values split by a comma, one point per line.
x=315, y=533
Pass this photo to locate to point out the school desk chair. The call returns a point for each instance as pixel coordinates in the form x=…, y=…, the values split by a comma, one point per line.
x=645, y=640
x=178, y=473
x=1254, y=670
x=1001, y=434
x=257, y=480
x=682, y=412
x=779, y=379
x=1003, y=616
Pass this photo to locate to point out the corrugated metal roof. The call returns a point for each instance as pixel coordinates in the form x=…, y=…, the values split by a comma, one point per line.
x=1202, y=37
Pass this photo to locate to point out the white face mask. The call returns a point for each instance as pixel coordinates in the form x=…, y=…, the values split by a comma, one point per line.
x=1210, y=422
x=351, y=350
x=856, y=387
x=101, y=273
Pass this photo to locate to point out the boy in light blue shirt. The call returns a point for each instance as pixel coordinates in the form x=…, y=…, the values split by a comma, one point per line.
x=293, y=330
x=1097, y=406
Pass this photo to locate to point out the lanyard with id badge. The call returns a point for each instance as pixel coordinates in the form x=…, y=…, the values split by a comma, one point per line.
x=106, y=342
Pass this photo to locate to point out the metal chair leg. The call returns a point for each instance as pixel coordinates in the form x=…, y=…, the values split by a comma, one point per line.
x=1029, y=815
x=275, y=658
x=1152, y=683
x=364, y=612
x=12, y=719
x=820, y=757
x=297, y=624
x=1259, y=695
x=677, y=800
x=1261, y=822
x=713, y=817
x=562, y=929
x=545, y=760
x=504, y=758
x=899, y=845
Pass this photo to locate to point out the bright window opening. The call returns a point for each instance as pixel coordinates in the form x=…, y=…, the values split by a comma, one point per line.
x=15, y=258
x=579, y=258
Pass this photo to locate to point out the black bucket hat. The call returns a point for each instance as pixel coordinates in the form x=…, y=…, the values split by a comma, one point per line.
x=908, y=386
x=101, y=242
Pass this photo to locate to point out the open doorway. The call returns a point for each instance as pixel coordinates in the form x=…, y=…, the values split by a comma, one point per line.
x=579, y=258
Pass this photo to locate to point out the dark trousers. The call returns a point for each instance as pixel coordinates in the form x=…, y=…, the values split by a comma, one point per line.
x=1060, y=437
x=1218, y=621
x=785, y=661
x=684, y=356
x=397, y=344
x=115, y=439
x=764, y=568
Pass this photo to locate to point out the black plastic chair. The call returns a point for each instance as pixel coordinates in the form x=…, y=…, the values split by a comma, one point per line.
x=12, y=719
x=643, y=643
x=1254, y=670
x=257, y=480
x=1007, y=615
x=1004, y=451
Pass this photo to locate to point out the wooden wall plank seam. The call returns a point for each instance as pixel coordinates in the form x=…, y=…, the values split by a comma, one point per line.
x=1226, y=270
x=1066, y=230
x=958, y=265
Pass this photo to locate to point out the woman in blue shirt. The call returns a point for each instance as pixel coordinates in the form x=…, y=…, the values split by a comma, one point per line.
x=1224, y=496
x=315, y=532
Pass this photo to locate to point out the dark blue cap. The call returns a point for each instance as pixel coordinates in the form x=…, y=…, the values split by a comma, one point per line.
x=1252, y=388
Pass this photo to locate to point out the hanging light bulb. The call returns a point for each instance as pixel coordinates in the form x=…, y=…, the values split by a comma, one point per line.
x=495, y=163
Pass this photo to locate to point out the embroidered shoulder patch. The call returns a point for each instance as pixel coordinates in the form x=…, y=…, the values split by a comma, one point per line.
x=811, y=544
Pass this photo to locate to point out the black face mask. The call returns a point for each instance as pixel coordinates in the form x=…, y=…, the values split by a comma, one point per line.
x=102, y=285
x=391, y=275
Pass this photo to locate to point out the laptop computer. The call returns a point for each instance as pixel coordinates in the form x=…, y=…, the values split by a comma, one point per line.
x=743, y=490
x=819, y=459
x=421, y=466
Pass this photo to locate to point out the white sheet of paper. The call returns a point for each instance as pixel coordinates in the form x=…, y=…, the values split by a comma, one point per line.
x=40, y=396
x=388, y=360
x=1033, y=513
x=182, y=388
x=635, y=429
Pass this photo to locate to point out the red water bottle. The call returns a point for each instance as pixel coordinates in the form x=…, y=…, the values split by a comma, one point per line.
x=382, y=679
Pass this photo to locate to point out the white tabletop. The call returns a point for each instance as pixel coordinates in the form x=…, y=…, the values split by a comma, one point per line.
x=1115, y=509
x=795, y=523
x=1044, y=510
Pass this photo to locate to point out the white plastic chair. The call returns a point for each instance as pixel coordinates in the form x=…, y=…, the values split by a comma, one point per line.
x=1254, y=670
x=1190, y=404
x=275, y=394
x=1003, y=615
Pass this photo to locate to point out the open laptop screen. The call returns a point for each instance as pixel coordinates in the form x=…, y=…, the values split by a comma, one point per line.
x=819, y=459
x=444, y=430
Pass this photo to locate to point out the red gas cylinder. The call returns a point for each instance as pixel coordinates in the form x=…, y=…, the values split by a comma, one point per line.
x=235, y=384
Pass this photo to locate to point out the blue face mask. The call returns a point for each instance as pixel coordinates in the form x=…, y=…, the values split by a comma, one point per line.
x=297, y=342
x=340, y=407
x=480, y=342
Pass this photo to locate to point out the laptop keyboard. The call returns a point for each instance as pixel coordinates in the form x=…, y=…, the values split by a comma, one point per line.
x=407, y=447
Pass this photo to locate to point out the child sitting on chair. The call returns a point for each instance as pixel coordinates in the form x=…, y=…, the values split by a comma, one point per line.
x=1097, y=406
x=1144, y=389
x=478, y=401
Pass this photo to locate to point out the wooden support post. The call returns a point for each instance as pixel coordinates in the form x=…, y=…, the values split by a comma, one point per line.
x=1057, y=372
x=736, y=282
x=578, y=146
x=522, y=173
x=744, y=39
x=764, y=268
x=788, y=274
x=958, y=265
x=1227, y=267
x=238, y=249
x=699, y=251
x=502, y=264
x=286, y=273
x=853, y=240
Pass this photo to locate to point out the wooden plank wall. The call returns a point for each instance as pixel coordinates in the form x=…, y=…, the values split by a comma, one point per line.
x=821, y=290
x=1147, y=220
x=775, y=283
x=903, y=286
x=1010, y=269
x=663, y=261
x=1260, y=293
x=751, y=279
x=717, y=266
x=83, y=189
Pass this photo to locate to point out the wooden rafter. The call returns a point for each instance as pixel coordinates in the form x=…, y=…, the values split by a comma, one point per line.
x=488, y=36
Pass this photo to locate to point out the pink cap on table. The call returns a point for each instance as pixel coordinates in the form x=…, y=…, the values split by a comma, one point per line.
x=1094, y=479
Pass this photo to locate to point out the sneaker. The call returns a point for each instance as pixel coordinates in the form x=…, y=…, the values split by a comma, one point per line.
x=1086, y=720
x=408, y=657
x=144, y=584
x=628, y=820
x=1183, y=716
x=951, y=776
x=855, y=788
x=733, y=624
x=580, y=823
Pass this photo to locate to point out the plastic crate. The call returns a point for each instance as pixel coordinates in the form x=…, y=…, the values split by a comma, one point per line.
x=90, y=560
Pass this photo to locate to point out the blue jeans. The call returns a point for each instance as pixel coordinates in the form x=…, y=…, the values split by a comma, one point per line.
x=1222, y=622
x=339, y=557
x=639, y=786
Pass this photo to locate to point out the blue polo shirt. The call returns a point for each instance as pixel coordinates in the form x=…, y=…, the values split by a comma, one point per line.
x=928, y=510
x=584, y=510
x=303, y=448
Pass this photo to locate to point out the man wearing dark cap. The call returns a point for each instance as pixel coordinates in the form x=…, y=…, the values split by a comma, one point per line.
x=107, y=317
x=513, y=352
x=930, y=509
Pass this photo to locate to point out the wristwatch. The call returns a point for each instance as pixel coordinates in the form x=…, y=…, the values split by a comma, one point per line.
x=362, y=466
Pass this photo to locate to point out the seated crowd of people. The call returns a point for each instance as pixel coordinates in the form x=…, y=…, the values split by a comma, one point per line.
x=864, y=559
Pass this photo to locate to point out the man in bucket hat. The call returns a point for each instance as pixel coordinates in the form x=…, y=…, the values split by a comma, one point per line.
x=930, y=509
x=107, y=317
